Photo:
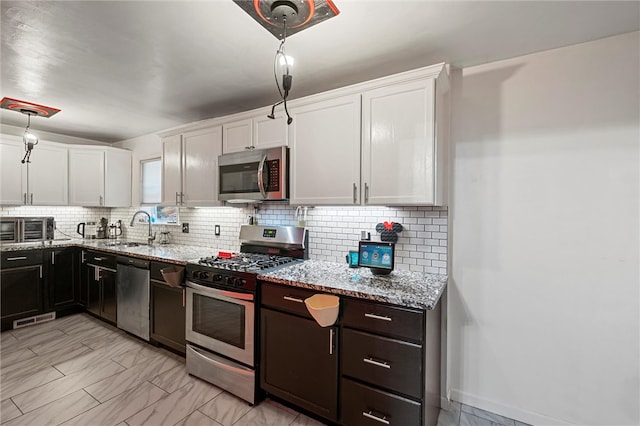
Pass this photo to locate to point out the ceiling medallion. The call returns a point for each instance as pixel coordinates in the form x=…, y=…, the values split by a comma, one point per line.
x=300, y=14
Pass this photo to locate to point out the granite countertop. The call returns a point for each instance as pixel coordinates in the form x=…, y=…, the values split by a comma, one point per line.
x=172, y=253
x=404, y=288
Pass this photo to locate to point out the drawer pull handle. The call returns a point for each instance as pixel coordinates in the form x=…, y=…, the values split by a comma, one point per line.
x=378, y=317
x=382, y=419
x=293, y=299
x=17, y=258
x=382, y=364
x=98, y=258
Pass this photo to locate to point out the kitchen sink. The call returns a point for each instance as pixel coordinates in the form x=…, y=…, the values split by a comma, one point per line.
x=123, y=244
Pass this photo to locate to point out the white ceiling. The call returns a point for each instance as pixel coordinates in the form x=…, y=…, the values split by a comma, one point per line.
x=121, y=69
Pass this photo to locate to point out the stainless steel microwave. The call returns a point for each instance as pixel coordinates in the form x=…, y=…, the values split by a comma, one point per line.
x=257, y=175
x=26, y=229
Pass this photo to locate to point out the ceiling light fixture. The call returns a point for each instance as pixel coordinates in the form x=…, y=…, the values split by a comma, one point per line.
x=29, y=139
x=281, y=61
x=28, y=108
x=282, y=18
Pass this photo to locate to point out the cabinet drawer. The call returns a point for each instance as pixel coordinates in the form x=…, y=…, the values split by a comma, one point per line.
x=366, y=406
x=286, y=298
x=12, y=259
x=385, y=362
x=392, y=321
x=101, y=259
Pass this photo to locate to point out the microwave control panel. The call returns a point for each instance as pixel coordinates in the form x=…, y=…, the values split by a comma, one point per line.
x=273, y=167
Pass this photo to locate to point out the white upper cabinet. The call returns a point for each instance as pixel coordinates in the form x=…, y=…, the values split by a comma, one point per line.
x=42, y=182
x=325, y=152
x=190, y=167
x=256, y=131
x=117, y=183
x=270, y=132
x=398, y=149
x=47, y=176
x=13, y=175
x=237, y=136
x=99, y=176
x=389, y=150
x=86, y=177
x=200, y=178
x=171, y=169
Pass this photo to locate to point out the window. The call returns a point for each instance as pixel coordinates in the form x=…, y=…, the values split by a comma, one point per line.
x=150, y=175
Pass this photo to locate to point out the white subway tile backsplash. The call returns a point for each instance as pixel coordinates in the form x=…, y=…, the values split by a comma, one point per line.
x=421, y=246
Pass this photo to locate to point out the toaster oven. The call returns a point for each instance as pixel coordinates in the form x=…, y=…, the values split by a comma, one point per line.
x=26, y=229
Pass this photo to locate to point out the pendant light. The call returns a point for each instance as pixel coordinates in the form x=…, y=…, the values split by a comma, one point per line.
x=282, y=18
x=281, y=66
x=29, y=139
x=28, y=108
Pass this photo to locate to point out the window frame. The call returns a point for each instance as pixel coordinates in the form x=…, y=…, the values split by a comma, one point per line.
x=142, y=193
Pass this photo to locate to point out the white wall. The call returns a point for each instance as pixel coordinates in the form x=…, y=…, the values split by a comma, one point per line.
x=544, y=294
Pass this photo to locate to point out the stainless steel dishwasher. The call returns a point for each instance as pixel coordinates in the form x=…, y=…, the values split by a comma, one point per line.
x=132, y=284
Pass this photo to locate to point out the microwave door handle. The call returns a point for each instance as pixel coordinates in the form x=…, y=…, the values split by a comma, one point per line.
x=260, y=177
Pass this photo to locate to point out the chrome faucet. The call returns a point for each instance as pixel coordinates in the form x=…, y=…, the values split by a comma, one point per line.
x=151, y=236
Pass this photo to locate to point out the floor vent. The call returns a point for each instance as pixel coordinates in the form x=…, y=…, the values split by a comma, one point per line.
x=24, y=322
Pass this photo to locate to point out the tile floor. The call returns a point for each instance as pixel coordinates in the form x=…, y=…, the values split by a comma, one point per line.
x=78, y=370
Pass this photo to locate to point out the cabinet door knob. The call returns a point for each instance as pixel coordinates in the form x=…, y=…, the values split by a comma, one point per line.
x=32, y=198
x=366, y=193
x=355, y=193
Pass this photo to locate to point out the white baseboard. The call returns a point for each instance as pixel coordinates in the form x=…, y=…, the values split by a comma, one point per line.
x=519, y=414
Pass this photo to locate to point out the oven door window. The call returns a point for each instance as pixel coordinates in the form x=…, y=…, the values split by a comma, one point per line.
x=219, y=320
x=239, y=178
x=9, y=231
x=33, y=230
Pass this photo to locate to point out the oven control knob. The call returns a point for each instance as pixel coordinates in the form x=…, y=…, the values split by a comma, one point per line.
x=216, y=278
x=195, y=274
x=230, y=281
x=204, y=275
x=241, y=283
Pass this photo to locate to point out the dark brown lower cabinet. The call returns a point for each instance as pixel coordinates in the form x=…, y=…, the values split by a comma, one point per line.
x=364, y=405
x=21, y=286
x=299, y=362
x=168, y=315
x=63, y=277
x=101, y=285
x=167, y=310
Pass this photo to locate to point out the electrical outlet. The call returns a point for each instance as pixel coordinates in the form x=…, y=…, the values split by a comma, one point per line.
x=216, y=230
x=185, y=228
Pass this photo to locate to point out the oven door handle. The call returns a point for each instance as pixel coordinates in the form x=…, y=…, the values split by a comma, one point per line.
x=224, y=293
x=243, y=371
x=261, y=178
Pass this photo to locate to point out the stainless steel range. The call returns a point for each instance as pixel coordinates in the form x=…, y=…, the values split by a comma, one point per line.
x=222, y=293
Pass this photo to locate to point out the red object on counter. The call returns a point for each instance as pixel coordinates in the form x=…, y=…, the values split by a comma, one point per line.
x=225, y=254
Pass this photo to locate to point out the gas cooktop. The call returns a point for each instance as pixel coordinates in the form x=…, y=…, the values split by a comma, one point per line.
x=245, y=262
